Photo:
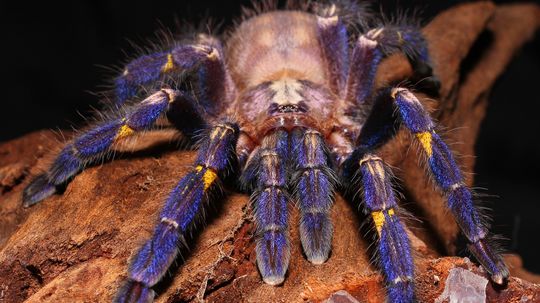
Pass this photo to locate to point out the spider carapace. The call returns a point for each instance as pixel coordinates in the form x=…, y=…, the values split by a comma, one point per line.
x=290, y=102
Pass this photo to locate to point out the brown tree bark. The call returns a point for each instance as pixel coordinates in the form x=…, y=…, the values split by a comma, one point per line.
x=74, y=247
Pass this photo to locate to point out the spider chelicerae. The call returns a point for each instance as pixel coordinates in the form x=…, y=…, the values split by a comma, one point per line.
x=289, y=104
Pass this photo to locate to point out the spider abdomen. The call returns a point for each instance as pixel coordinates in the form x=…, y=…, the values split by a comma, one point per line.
x=275, y=45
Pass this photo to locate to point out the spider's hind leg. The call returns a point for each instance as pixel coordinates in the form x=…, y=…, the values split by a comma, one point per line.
x=333, y=39
x=96, y=143
x=407, y=39
x=448, y=177
x=372, y=47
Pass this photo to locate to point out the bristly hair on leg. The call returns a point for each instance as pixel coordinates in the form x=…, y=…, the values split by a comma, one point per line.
x=314, y=183
x=357, y=16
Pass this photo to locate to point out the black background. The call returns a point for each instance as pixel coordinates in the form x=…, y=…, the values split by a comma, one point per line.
x=53, y=58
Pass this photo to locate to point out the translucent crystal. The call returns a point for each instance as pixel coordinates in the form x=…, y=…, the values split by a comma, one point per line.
x=463, y=286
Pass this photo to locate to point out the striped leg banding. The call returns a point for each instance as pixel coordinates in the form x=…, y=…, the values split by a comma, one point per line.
x=96, y=143
x=314, y=190
x=447, y=175
x=183, y=208
x=393, y=247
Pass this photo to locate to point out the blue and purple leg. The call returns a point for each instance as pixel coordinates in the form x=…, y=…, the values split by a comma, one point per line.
x=182, y=210
x=205, y=58
x=377, y=44
x=408, y=39
x=448, y=177
x=96, y=143
x=393, y=249
x=334, y=42
x=313, y=181
x=266, y=171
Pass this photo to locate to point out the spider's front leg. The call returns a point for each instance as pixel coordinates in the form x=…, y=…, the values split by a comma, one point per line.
x=97, y=142
x=314, y=182
x=182, y=208
x=448, y=177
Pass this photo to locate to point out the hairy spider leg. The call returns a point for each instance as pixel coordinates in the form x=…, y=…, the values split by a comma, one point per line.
x=96, y=142
x=334, y=43
x=205, y=59
x=270, y=202
x=448, y=177
x=407, y=39
x=314, y=189
x=377, y=44
x=182, y=209
x=393, y=247
x=187, y=115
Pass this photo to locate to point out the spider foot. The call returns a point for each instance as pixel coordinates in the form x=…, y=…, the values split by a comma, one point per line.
x=316, y=237
x=449, y=178
x=39, y=189
x=273, y=256
x=134, y=292
x=490, y=260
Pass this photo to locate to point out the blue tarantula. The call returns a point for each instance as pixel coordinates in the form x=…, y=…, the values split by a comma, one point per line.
x=291, y=106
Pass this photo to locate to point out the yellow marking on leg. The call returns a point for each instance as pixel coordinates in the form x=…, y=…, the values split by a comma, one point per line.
x=425, y=140
x=209, y=176
x=379, y=219
x=124, y=131
x=169, y=66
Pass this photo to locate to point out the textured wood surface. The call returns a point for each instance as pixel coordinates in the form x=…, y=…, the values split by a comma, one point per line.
x=74, y=247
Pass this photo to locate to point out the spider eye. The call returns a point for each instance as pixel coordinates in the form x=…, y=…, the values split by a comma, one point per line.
x=274, y=108
x=288, y=108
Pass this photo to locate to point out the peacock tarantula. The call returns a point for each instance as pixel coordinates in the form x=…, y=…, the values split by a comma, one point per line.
x=291, y=107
